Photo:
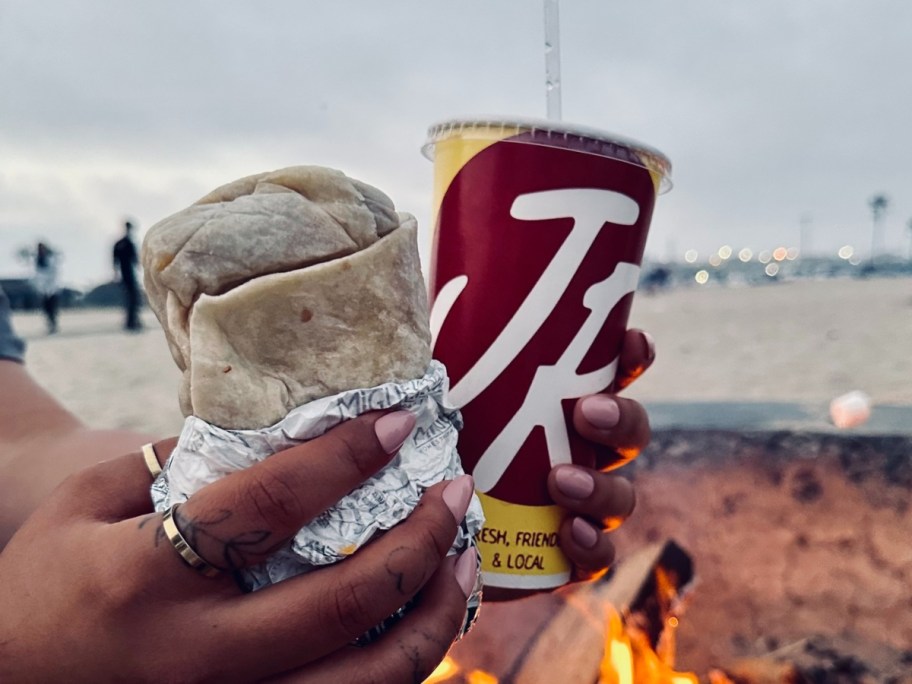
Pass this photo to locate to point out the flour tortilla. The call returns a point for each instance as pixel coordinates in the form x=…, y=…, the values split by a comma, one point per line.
x=285, y=287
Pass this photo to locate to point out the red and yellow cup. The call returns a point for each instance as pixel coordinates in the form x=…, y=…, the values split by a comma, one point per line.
x=539, y=235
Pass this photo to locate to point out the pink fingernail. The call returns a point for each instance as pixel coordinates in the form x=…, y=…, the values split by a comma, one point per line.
x=458, y=494
x=574, y=482
x=650, y=347
x=393, y=429
x=601, y=411
x=583, y=533
x=466, y=571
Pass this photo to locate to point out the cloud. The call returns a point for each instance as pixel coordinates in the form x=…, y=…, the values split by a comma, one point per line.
x=768, y=111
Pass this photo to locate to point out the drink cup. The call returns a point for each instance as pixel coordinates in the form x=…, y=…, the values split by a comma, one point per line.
x=539, y=234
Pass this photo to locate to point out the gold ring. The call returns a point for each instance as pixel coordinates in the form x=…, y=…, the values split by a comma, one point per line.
x=191, y=557
x=151, y=460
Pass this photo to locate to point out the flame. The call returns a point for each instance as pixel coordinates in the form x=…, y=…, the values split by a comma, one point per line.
x=443, y=672
x=617, y=665
x=629, y=659
x=449, y=668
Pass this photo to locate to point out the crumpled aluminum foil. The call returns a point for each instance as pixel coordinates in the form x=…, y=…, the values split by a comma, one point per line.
x=205, y=453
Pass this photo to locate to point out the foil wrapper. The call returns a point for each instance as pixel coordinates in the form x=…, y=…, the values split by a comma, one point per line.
x=205, y=453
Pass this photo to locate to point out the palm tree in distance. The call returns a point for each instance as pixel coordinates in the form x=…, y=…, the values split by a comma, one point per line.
x=878, y=204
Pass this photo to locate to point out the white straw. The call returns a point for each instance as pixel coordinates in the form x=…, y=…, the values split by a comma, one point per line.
x=552, y=59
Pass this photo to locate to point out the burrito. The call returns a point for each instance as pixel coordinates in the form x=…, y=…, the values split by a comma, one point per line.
x=292, y=301
x=284, y=287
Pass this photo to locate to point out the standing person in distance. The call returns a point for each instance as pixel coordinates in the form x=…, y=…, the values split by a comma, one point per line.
x=125, y=259
x=45, y=282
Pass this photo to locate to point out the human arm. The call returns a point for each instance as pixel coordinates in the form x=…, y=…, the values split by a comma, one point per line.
x=41, y=443
x=125, y=605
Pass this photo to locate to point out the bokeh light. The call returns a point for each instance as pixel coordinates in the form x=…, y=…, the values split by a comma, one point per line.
x=725, y=252
x=764, y=257
x=771, y=269
x=846, y=252
x=702, y=276
x=780, y=253
x=715, y=260
x=690, y=256
x=791, y=253
x=745, y=255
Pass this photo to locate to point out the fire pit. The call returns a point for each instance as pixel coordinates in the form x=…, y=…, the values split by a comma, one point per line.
x=618, y=629
x=801, y=543
x=797, y=537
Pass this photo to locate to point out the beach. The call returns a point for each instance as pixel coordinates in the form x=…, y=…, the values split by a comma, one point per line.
x=714, y=492
x=109, y=378
x=804, y=341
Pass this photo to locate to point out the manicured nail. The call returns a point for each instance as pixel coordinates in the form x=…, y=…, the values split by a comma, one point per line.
x=458, y=494
x=574, y=482
x=466, y=571
x=583, y=533
x=601, y=411
x=650, y=347
x=393, y=429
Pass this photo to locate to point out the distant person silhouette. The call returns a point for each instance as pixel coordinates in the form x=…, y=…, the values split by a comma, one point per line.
x=45, y=283
x=125, y=260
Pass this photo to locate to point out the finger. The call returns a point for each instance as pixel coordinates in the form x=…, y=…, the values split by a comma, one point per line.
x=136, y=499
x=303, y=618
x=108, y=491
x=141, y=542
x=587, y=547
x=615, y=422
x=413, y=647
x=163, y=449
x=155, y=455
x=603, y=498
x=637, y=355
x=245, y=517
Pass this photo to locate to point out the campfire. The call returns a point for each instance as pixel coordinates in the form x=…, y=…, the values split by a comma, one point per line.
x=822, y=598
x=618, y=629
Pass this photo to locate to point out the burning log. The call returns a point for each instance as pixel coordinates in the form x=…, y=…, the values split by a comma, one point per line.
x=600, y=631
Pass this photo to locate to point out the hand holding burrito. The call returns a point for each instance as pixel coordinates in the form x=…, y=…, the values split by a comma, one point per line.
x=293, y=301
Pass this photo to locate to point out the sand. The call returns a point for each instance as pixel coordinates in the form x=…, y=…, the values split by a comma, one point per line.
x=803, y=341
x=806, y=341
x=106, y=376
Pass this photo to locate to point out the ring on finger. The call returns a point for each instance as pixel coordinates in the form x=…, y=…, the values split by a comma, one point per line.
x=182, y=546
x=148, y=452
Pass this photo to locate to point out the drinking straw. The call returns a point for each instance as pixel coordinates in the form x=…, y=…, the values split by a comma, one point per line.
x=552, y=60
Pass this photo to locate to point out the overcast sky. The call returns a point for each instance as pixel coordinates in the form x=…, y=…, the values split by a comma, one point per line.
x=769, y=111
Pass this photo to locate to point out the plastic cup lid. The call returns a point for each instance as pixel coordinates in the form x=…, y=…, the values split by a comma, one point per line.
x=609, y=144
